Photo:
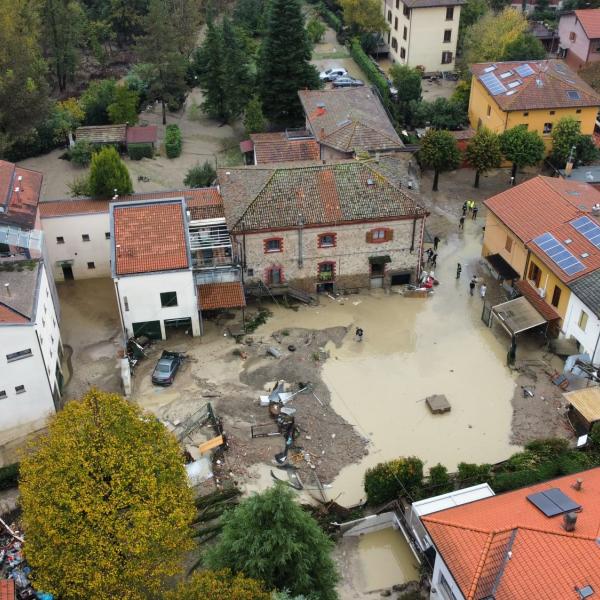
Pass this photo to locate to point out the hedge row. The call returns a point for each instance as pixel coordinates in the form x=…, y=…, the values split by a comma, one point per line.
x=173, y=141
x=9, y=476
x=540, y=461
x=329, y=17
x=368, y=67
x=141, y=150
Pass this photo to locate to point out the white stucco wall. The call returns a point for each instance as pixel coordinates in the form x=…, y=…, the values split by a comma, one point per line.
x=590, y=338
x=71, y=228
x=424, y=42
x=438, y=592
x=21, y=413
x=142, y=293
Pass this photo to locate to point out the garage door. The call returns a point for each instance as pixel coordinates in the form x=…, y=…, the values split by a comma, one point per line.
x=148, y=328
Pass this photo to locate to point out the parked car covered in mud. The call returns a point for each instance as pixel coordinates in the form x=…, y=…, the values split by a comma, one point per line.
x=166, y=368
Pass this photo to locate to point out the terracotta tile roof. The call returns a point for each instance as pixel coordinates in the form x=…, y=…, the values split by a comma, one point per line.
x=579, y=247
x=8, y=315
x=7, y=589
x=102, y=134
x=556, y=79
x=142, y=135
x=19, y=208
x=221, y=295
x=545, y=309
x=76, y=206
x=277, y=147
x=349, y=119
x=546, y=562
x=258, y=198
x=590, y=21
x=150, y=237
x=206, y=204
x=541, y=204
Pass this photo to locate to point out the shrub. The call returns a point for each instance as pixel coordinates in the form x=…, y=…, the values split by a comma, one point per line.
x=9, y=476
x=81, y=153
x=329, y=17
x=139, y=151
x=472, y=474
x=595, y=434
x=108, y=174
x=504, y=482
x=367, y=65
x=200, y=176
x=79, y=187
x=316, y=30
x=387, y=481
x=548, y=448
x=173, y=141
x=439, y=480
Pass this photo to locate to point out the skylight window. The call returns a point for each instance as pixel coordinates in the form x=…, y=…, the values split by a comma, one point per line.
x=573, y=95
x=514, y=84
x=489, y=69
x=505, y=74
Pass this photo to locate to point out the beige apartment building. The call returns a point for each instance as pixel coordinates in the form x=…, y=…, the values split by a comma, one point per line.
x=423, y=33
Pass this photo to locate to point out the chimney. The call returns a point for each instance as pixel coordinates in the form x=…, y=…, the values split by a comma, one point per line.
x=322, y=132
x=7, y=288
x=227, y=176
x=596, y=210
x=569, y=521
x=578, y=485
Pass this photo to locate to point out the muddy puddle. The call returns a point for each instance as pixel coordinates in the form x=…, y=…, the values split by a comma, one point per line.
x=384, y=560
x=414, y=348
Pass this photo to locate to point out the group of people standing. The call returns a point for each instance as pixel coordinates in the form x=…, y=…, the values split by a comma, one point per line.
x=468, y=207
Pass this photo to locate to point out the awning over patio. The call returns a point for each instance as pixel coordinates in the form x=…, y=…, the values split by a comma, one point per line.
x=502, y=267
x=214, y=296
x=536, y=300
x=586, y=402
x=517, y=315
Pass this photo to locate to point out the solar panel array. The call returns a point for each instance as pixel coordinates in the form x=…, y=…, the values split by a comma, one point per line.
x=589, y=229
x=493, y=84
x=524, y=70
x=553, y=502
x=559, y=254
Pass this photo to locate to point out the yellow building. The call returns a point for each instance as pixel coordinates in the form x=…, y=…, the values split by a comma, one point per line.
x=535, y=94
x=423, y=33
x=531, y=240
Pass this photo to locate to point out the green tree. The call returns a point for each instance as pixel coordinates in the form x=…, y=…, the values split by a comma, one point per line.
x=470, y=13
x=212, y=75
x=440, y=114
x=158, y=48
x=567, y=141
x=254, y=120
x=108, y=173
x=125, y=17
x=523, y=148
x=63, y=25
x=389, y=480
x=81, y=153
x=439, y=480
x=106, y=503
x=250, y=15
x=284, y=64
x=96, y=100
x=200, y=176
x=219, y=585
x=484, y=152
x=66, y=116
x=462, y=94
x=439, y=152
x=186, y=18
x=408, y=83
x=270, y=537
x=486, y=40
x=23, y=88
x=364, y=16
x=124, y=107
x=315, y=30
x=525, y=47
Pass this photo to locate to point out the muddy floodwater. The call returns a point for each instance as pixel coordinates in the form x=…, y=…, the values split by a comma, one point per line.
x=384, y=560
x=414, y=348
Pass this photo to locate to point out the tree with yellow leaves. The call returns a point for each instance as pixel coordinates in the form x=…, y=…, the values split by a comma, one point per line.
x=219, y=585
x=106, y=504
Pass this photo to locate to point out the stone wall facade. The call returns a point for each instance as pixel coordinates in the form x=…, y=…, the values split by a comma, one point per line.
x=335, y=254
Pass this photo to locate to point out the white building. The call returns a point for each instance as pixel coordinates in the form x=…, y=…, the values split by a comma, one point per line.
x=423, y=33
x=582, y=320
x=31, y=350
x=152, y=267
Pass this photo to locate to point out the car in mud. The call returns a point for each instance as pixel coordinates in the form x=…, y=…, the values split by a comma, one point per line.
x=332, y=74
x=166, y=368
x=347, y=82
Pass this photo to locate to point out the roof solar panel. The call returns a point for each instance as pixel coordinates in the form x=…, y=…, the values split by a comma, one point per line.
x=524, y=70
x=553, y=502
x=493, y=85
x=559, y=254
x=589, y=229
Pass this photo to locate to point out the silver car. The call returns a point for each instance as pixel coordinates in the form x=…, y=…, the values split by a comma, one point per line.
x=347, y=82
x=333, y=73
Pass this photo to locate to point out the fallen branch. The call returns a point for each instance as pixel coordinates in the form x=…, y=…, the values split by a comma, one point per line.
x=11, y=532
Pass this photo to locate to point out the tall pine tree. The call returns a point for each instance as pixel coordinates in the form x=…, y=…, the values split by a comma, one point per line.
x=211, y=75
x=284, y=66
